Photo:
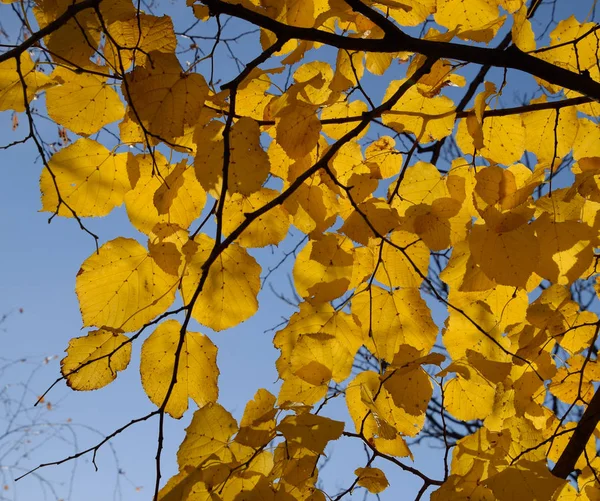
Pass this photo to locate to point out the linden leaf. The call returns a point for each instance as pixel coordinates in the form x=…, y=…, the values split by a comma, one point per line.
x=576, y=381
x=90, y=179
x=269, y=229
x=430, y=118
x=11, y=89
x=393, y=319
x=474, y=14
x=257, y=426
x=164, y=98
x=82, y=102
x=77, y=38
x=162, y=193
x=344, y=109
x=383, y=154
x=245, y=150
x=121, y=286
x=522, y=32
x=525, y=480
x=548, y=134
x=373, y=479
x=313, y=206
x=409, y=12
x=468, y=396
x=298, y=129
x=93, y=360
x=405, y=263
x=566, y=249
x=508, y=257
x=375, y=414
x=323, y=268
x=252, y=98
x=197, y=370
x=209, y=433
x=318, y=344
x=137, y=36
x=310, y=431
x=503, y=139
x=229, y=293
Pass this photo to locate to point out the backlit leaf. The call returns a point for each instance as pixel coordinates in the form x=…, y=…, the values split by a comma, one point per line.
x=90, y=179
x=228, y=295
x=121, y=286
x=196, y=363
x=93, y=360
x=83, y=103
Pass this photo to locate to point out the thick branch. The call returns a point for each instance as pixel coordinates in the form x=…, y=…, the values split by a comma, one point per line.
x=401, y=42
x=566, y=463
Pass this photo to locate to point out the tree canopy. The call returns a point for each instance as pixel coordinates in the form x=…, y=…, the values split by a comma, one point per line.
x=416, y=154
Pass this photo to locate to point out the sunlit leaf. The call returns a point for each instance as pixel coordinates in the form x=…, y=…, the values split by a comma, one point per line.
x=195, y=357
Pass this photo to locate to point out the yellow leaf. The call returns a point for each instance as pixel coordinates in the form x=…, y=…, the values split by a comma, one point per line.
x=586, y=142
x=503, y=139
x=430, y=118
x=209, y=433
x=164, y=98
x=575, y=381
x=310, y=431
x=298, y=129
x=373, y=479
x=525, y=480
x=162, y=193
x=547, y=137
x=409, y=12
x=137, y=36
x=11, y=89
x=296, y=392
x=323, y=268
x=318, y=340
x=566, y=249
x=252, y=97
x=406, y=267
x=392, y=319
x=313, y=206
x=229, y=294
x=508, y=257
x=313, y=79
x=82, y=102
x=468, y=395
x=378, y=213
x=383, y=154
x=76, y=40
x=269, y=229
x=248, y=163
x=90, y=179
x=466, y=14
x=344, y=109
x=121, y=287
x=408, y=384
x=257, y=426
x=348, y=68
x=196, y=362
x=374, y=412
x=522, y=32
x=93, y=360
x=576, y=57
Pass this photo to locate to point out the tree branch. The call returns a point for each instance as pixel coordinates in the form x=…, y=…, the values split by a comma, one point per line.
x=60, y=21
x=566, y=463
x=401, y=42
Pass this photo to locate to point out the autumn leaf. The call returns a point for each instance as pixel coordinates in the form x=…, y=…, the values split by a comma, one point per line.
x=196, y=362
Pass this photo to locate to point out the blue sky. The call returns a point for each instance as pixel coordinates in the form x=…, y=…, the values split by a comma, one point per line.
x=38, y=266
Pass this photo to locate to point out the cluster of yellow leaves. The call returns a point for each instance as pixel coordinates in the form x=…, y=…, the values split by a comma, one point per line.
x=372, y=224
